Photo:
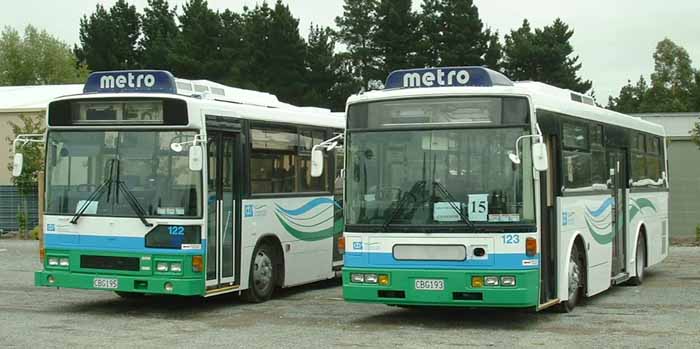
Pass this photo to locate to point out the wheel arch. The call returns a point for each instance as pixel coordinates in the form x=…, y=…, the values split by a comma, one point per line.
x=274, y=241
x=577, y=240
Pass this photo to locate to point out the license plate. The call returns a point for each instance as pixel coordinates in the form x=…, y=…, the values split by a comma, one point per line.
x=105, y=283
x=429, y=284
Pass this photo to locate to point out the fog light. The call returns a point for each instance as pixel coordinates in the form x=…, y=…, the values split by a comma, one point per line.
x=477, y=281
x=360, y=278
x=491, y=281
x=508, y=280
x=384, y=280
x=197, y=264
x=50, y=279
x=64, y=262
x=371, y=278
x=168, y=287
x=53, y=261
x=176, y=267
x=162, y=267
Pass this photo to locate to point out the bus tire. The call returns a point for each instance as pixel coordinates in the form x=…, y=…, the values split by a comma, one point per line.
x=639, y=261
x=263, y=274
x=576, y=281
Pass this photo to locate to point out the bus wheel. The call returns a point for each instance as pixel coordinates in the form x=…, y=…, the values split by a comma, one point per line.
x=576, y=281
x=640, y=257
x=263, y=274
x=130, y=295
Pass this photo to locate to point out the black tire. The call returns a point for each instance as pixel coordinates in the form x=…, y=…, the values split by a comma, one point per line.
x=577, y=281
x=639, y=261
x=130, y=295
x=263, y=274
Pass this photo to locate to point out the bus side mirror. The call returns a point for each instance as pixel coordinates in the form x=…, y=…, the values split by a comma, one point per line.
x=539, y=157
x=316, y=163
x=195, y=157
x=17, y=164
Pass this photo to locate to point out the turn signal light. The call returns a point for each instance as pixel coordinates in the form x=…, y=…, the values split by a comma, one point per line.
x=530, y=246
x=384, y=280
x=42, y=254
x=341, y=244
x=477, y=281
x=197, y=264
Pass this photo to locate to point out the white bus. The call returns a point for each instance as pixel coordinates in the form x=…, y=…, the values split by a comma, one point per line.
x=158, y=185
x=463, y=188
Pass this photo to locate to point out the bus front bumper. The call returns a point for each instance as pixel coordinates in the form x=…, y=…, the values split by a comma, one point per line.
x=458, y=290
x=124, y=283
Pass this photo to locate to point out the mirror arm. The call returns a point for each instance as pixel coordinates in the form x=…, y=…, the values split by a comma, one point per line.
x=23, y=139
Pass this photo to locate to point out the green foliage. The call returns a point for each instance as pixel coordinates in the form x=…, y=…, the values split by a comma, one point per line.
x=675, y=85
x=34, y=233
x=320, y=64
x=37, y=58
x=396, y=38
x=26, y=183
x=494, y=53
x=463, y=40
x=109, y=39
x=197, y=49
x=356, y=29
x=159, y=34
x=544, y=55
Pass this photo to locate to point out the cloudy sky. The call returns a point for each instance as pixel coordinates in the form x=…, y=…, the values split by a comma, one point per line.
x=614, y=38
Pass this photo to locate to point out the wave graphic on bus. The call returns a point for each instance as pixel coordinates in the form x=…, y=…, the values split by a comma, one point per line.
x=599, y=223
x=312, y=221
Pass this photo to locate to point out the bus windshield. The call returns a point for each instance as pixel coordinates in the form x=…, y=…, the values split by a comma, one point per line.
x=79, y=162
x=438, y=177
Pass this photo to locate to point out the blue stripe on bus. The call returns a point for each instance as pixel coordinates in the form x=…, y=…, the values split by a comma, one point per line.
x=494, y=261
x=110, y=243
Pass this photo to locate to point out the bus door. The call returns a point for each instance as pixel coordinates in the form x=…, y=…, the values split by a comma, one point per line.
x=549, y=181
x=223, y=211
x=617, y=163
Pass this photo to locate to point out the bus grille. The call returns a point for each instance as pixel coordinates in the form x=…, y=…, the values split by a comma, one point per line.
x=110, y=262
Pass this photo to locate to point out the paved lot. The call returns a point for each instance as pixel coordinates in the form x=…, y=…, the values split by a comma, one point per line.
x=665, y=312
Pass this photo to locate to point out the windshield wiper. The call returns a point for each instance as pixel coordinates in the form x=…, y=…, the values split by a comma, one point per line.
x=399, y=206
x=95, y=195
x=451, y=201
x=131, y=199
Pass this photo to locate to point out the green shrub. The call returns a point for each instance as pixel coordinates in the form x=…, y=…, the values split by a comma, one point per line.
x=35, y=233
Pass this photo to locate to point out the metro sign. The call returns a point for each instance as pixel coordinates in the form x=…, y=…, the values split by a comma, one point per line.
x=156, y=81
x=446, y=77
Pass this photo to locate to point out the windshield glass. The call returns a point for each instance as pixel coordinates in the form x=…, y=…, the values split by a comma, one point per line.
x=423, y=177
x=78, y=162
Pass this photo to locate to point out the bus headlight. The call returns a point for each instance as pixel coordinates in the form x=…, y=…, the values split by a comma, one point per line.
x=64, y=262
x=371, y=278
x=359, y=278
x=176, y=267
x=491, y=281
x=508, y=281
x=162, y=266
x=53, y=261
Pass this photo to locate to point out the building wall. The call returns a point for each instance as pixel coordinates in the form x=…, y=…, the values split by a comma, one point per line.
x=684, y=179
x=6, y=137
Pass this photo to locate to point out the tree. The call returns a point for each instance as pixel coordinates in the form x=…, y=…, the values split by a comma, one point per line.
x=320, y=70
x=110, y=39
x=545, y=55
x=494, y=51
x=232, y=47
x=631, y=97
x=347, y=81
x=196, y=53
x=36, y=59
x=33, y=163
x=463, y=40
x=429, y=29
x=356, y=29
x=286, y=65
x=396, y=38
x=159, y=34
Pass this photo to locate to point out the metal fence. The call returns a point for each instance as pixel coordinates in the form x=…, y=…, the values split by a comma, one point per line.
x=10, y=204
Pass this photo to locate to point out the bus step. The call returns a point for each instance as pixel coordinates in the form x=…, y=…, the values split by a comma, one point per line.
x=620, y=278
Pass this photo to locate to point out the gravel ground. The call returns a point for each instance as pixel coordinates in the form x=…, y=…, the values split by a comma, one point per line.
x=664, y=312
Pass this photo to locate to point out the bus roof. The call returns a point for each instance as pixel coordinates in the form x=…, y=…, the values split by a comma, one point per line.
x=488, y=82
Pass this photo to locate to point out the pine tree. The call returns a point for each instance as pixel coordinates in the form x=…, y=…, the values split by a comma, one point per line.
x=463, y=41
x=288, y=51
x=429, y=31
x=320, y=74
x=545, y=55
x=232, y=47
x=159, y=34
x=256, y=33
x=109, y=39
x=196, y=53
x=356, y=29
x=494, y=52
x=396, y=38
